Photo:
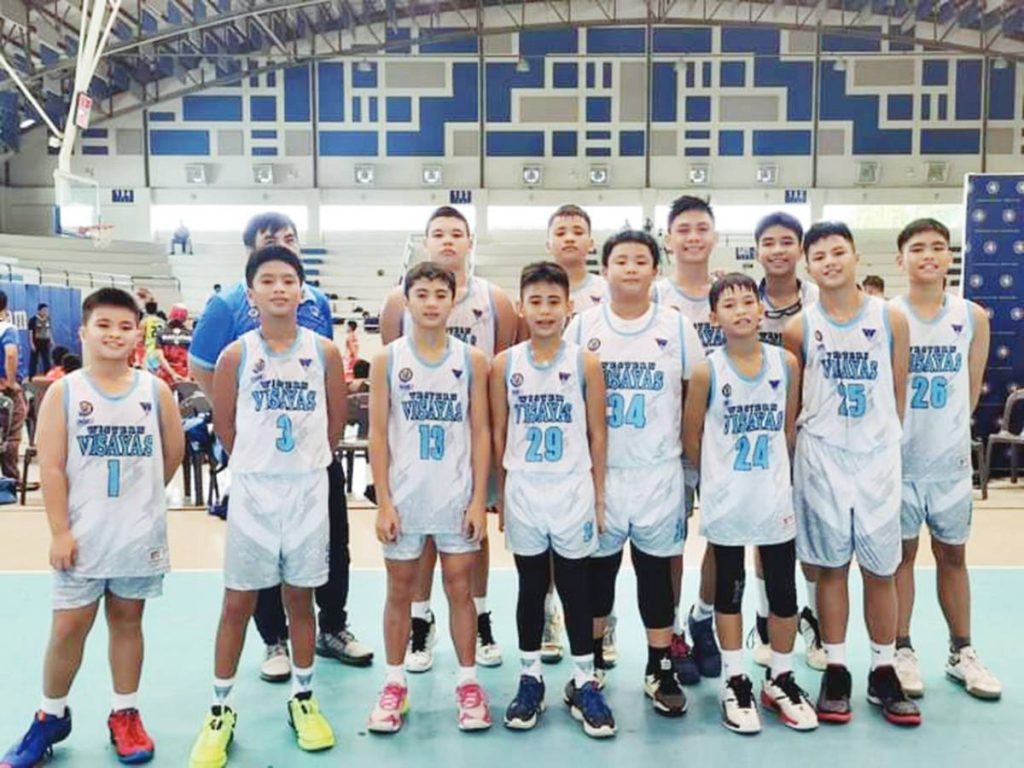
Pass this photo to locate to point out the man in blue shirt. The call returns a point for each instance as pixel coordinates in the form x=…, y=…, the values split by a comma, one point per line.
x=10, y=387
x=229, y=314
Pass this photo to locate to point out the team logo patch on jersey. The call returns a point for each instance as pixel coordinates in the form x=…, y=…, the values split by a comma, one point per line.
x=563, y=377
x=661, y=343
x=478, y=312
x=147, y=408
x=457, y=372
x=594, y=344
x=727, y=390
x=596, y=299
x=305, y=361
x=957, y=328
x=84, y=408
x=516, y=380
x=869, y=333
x=259, y=367
x=774, y=383
x=405, y=375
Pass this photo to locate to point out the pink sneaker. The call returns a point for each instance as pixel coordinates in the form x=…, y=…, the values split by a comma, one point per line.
x=474, y=714
x=393, y=705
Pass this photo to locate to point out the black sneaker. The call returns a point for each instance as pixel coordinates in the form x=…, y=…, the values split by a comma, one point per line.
x=834, y=697
x=885, y=691
x=664, y=692
x=488, y=654
x=587, y=704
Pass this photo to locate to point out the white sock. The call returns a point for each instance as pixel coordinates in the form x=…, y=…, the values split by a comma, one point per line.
x=882, y=655
x=395, y=673
x=677, y=621
x=549, y=603
x=812, y=595
x=835, y=653
x=302, y=679
x=781, y=663
x=55, y=707
x=762, y=597
x=732, y=664
x=529, y=664
x=481, y=605
x=583, y=669
x=222, y=687
x=123, y=701
x=702, y=611
x=466, y=675
x=420, y=609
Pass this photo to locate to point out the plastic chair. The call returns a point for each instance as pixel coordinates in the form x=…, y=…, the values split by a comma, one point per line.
x=978, y=449
x=1006, y=437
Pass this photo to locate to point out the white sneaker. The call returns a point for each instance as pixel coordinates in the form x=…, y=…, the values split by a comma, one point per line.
x=551, y=644
x=420, y=656
x=276, y=666
x=609, y=651
x=739, y=710
x=966, y=668
x=811, y=633
x=757, y=639
x=783, y=695
x=908, y=670
x=488, y=652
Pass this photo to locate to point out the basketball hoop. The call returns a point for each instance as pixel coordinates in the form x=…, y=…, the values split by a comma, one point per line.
x=101, y=235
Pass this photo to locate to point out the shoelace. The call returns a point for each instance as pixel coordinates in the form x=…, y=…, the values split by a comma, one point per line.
x=391, y=697
x=743, y=689
x=593, y=703
x=529, y=694
x=420, y=631
x=483, y=629
x=679, y=647
x=277, y=649
x=31, y=736
x=667, y=683
x=788, y=685
x=470, y=696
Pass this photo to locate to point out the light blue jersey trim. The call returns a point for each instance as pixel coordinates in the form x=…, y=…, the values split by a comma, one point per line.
x=888, y=326
x=579, y=372
x=198, y=362
x=156, y=399
x=711, y=381
x=469, y=366
x=785, y=369
x=494, y=315
x=579, y=332
x=321, y=355
x=241, y=362
x=111, y=398
x=807, y=335
x=759, y=376
x=67, y=402
x=682, y=344
x=943, y=310
x=508, y=368
x=611, y=325
x=391, y=362
x=546, y=366
x=421, y=361
x=855, y=319
x=285, y=353
x=969, y=306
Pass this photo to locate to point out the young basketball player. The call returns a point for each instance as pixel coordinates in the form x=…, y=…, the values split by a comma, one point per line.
x=846, y=470
x=430, y=456
x=949, y=340
x=110, y=441
x=483, y=317
x=691, y=238
x=548, y=417
x=646, y=352
x=278, y=407
x=783, y=295
x=739, y=420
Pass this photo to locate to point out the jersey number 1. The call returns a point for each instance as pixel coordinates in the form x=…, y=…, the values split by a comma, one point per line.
x=113, y=477
x=431, y=443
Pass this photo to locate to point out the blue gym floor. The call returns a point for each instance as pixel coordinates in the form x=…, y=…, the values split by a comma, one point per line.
x=176, y=692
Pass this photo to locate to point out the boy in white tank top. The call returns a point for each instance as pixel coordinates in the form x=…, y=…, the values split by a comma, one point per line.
x=949, y=342
x=738, y=425
x=547, y=407
x=569, y=243
x=778, y=237
x=430, y=457
x=853, y=351
x=483, y=317
x=110, y=439
x=278, y=408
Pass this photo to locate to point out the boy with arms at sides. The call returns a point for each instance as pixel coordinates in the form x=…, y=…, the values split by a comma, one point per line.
x=548, y=417
x=949, y=341
x=278, y=407
x=691, y=238
x=739, y=422
x=853, y=350
x=779, y=237
x=646, y=352
x=430, y=456
x=483, y=317
x=110, y=440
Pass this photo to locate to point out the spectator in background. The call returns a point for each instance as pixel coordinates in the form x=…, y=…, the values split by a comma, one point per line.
x=172, y=345
x=55, y=371
x=153, y=321
x=72, y=363
x=181, y=237
x=873, y=285
x=39, y=337
x=351, y=348
x=10, y=387
x=360, y=377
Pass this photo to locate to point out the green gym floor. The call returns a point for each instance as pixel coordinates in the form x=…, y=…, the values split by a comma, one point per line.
x=176, y=692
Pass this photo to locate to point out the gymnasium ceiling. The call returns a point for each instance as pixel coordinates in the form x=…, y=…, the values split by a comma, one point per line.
x=164, y=49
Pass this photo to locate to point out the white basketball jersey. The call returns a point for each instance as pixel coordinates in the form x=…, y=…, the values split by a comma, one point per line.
x=696, y=309
x=848, y=398
x=115, y=471
x=281, y=414
x=591, y=292
x=937, y=424
x=745, y=491
x=430, y=471
x=774, y=322
x=473, y=319
x=644, y=361
x=547, y=412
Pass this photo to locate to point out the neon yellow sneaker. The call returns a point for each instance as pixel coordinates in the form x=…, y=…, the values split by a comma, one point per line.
x=311, y=728
x=211, y=747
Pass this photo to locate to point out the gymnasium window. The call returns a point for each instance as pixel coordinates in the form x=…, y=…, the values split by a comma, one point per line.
x=221, y=218
x=603, y=218
x=383, y=218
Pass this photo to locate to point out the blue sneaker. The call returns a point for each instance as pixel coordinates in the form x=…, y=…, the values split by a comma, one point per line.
x=705, y=647
x=37, y=744
x=587, y=705
x=682, y=661
x=524, y=711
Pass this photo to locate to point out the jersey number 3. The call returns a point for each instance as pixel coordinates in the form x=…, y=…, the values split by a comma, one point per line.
x=286, y=441
x=634, y=415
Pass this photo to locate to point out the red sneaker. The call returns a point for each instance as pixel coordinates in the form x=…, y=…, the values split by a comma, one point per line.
x=129, y=737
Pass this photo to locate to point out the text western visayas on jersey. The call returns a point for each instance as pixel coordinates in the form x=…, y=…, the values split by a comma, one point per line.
x=696, y=309
x=281, y=415
x=430, y=470
x=115, y=471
